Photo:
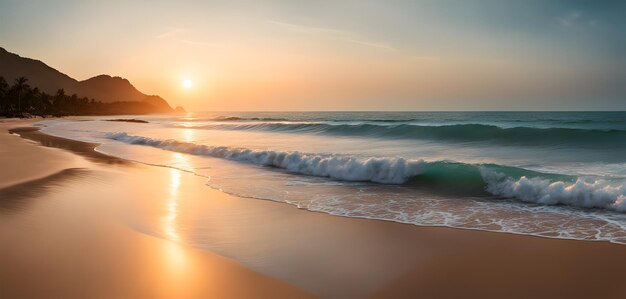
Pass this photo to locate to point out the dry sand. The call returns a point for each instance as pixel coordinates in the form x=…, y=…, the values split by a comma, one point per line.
x=80, y=225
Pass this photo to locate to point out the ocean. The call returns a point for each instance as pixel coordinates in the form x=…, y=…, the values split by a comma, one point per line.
x=550, y=174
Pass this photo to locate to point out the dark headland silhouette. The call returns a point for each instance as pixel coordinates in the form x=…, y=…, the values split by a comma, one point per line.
x=32, y=87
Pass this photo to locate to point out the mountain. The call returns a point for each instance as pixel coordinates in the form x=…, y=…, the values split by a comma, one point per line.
x=103, y=88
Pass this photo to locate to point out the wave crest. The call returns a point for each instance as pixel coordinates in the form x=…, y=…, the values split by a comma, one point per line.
x=587, y=193
x=498, y=180
x=347, y=168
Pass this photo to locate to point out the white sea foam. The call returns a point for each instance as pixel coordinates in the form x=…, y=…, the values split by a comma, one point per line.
x=588, y=193
x=540, y=204
x=584, y=192
x=348, y=168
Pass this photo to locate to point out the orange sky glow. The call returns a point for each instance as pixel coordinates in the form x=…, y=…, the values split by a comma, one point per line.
x=290, y=55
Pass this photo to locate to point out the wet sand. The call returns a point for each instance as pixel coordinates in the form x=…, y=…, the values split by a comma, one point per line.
x=61, y=237
x=81, y=226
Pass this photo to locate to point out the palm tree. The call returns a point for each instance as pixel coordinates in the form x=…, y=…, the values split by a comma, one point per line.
x=59, y=100
x=20, y=84
x=4, y=90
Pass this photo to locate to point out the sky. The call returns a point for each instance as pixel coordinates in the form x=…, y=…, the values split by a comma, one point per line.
x=337, y=55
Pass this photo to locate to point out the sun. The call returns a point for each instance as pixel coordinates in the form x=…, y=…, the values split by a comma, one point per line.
x=187, y=83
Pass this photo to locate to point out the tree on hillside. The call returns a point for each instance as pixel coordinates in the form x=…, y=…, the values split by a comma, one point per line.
x=4, y=91
x=20, y=100
x=59, y=99
x=34, y=101
x=20, y=85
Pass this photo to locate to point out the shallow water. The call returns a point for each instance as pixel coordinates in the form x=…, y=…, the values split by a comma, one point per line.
x=553, y=174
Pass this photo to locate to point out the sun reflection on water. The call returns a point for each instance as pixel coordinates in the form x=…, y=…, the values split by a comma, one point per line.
x=187, y=135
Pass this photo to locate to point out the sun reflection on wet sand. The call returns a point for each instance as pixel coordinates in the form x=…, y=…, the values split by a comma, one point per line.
x=175, y=254
x=169, y=221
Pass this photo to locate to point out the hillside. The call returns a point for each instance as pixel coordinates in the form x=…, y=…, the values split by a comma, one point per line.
x=103, y=88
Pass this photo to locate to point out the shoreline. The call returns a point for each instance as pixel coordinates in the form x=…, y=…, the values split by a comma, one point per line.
x=37, y=135
x=89, y=151
x=402, y=259
x=84, y=149
x=30, y=271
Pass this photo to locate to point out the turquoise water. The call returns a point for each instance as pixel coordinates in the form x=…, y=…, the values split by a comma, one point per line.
x=553, y=174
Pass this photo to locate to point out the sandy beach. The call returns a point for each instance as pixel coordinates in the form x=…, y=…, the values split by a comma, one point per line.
x=312, y=149
x=77, y=224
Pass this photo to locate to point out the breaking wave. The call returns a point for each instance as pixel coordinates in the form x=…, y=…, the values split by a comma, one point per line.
x=487, y=179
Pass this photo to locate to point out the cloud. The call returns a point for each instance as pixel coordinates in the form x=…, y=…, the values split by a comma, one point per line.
x=575, y=18
x=170, y=32
x=177, y=35
x=197, y=43
x=331, y=33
